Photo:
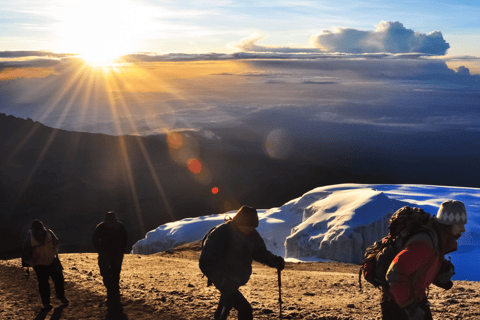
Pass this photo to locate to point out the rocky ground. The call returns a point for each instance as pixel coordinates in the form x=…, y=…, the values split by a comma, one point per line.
x=169, y=285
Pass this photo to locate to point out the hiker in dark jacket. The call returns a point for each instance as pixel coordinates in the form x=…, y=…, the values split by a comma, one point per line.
x=40, y=251
x=110, y=241
x=226, y=260
x=421, y=263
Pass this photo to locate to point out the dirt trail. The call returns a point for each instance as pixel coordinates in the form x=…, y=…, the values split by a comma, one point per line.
x=170, y=286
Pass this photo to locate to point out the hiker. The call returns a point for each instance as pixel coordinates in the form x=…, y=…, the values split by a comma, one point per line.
x=40, y=251
x=226, y=260
x=110, y=241
x=421, y=263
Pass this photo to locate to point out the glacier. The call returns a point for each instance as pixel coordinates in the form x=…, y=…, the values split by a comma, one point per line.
x=336, y=223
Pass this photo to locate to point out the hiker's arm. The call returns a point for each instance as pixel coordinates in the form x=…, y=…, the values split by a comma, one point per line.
x=27, y=252
x=124, y=237
x=416, y=257
x=262, y=255
x=211, y=258
x=54, y=239
x=96, y=239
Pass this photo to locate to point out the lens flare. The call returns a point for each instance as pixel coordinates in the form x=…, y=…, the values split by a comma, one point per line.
x=194, y=165
x=174, y=140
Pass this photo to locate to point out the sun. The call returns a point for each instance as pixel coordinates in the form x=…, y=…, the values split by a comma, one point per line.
x=100, y=31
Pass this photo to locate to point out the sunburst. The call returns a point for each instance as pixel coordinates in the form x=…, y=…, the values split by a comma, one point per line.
x=101, y=31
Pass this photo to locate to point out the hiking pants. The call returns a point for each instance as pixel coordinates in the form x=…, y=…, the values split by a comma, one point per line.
x=110, y=268
x=43, y=274
x=391, y=311
x=236, y=301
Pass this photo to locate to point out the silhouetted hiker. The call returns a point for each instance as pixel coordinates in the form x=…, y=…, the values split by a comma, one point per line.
x=110, y=241
x=421, y=263
x=226, y=260
x=40, y=252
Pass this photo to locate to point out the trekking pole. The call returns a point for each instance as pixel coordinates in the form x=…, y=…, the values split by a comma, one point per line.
x=279, y=273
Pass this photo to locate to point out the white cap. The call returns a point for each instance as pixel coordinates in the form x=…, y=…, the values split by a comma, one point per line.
x=452, y=212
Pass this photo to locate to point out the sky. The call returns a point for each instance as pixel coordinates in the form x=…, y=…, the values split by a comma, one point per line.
x=321, y=224
x=144, y=67
x=274, y=69
x=218, y=26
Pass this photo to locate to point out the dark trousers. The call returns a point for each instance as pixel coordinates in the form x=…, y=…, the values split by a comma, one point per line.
x=43, y=274
x=110, y=268
x=236, y=301
x=391, y=311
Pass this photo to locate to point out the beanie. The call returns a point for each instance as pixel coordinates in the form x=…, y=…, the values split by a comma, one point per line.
x=37, y=225
x=110, y=215
x=246, y=216
x=452, y=212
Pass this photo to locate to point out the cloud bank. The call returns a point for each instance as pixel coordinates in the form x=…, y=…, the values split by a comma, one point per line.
x=389, y=37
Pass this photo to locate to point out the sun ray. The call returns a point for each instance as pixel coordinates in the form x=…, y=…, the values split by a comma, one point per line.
x=151, y=168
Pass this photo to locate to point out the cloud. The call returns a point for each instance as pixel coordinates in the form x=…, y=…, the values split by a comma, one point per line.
x=30, y=54
x=249, y=45
x=389, y=37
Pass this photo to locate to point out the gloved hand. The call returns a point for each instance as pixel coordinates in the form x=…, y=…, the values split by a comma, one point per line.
x=444, y=276
x=414, y=312
x=229, y=285
x=279, y=263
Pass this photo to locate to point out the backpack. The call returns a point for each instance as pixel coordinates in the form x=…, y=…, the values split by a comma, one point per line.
x=205, y=239
x=404, y=223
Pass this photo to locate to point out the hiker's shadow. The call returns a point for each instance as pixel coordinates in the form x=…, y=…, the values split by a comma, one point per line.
x=56, y=315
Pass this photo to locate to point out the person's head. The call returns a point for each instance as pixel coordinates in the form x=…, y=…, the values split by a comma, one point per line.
x=38, y=230
x=110, y=218
x=37, y=225
x=451, y=218
x=245, y=220
x=452, y=213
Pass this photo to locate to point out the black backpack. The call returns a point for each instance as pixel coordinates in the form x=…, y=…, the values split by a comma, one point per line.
x=404, y=223
x=205, y=239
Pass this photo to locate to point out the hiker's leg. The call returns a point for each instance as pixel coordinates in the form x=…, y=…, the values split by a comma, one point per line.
x=58, y=280
x=238, y=302
x=43, y=285
x=222, y=309
x=104, y=266
x=115, y=269
x=425, y=305
x=390, y=310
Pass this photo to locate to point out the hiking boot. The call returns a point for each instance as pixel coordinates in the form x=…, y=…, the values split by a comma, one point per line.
x=47, y=307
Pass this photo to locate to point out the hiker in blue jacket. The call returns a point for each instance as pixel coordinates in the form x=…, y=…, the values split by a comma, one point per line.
x=226, y=260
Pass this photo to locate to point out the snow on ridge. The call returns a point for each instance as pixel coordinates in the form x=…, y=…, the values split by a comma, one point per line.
x=341, y=226
x=337, y=223
x=174, y=234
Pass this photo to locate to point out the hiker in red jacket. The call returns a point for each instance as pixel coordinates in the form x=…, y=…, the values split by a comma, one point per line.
x=421, y=263
x=40, y=253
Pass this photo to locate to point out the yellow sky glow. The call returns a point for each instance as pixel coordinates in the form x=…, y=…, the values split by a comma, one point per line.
x=15, y=73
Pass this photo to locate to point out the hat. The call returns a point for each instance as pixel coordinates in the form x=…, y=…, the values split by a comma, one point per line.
x=110, y=215
x=452, y=212
x=246, y=216
x=37, y=225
